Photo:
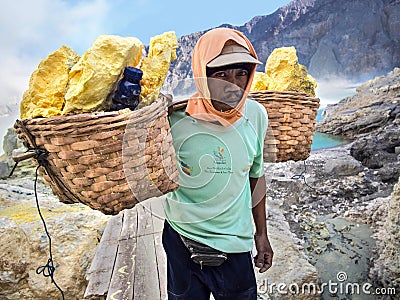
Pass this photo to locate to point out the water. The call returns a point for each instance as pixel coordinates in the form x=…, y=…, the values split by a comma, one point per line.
x=324, y=140
x=340, y=249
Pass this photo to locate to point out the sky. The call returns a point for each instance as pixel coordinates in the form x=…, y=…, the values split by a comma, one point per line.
x=30, y=30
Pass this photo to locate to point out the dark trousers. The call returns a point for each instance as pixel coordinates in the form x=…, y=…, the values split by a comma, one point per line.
x=234, y=279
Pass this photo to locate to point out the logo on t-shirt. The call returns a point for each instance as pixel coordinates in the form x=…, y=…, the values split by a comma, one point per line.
x=186, y=168
x=218, y=154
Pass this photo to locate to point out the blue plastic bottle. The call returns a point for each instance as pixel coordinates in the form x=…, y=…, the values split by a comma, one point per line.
x=128, y=90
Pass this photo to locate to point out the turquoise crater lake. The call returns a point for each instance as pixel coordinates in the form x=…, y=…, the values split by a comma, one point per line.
x=324, y=140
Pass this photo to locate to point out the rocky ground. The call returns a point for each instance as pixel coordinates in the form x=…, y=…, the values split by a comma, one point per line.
x=333, y=219
x=334, y=205
x=75, y=232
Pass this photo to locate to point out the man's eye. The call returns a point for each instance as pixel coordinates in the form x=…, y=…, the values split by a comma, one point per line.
x=243, y=73
x=219, y=74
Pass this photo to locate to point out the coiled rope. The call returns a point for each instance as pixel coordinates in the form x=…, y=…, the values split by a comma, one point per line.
x=302, y=176
x=48, y=269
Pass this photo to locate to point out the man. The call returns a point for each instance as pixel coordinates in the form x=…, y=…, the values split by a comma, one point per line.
x=218, y=137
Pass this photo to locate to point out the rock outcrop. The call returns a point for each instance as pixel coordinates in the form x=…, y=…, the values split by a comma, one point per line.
x=11, y=146
x=386, y=265
x=375, y=106
x=372, y=119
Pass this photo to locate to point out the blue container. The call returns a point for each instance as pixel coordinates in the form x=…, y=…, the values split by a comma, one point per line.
x=128, y=90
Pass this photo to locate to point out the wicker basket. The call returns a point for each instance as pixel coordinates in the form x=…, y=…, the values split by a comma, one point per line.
x=107, y=160
x=291, y=119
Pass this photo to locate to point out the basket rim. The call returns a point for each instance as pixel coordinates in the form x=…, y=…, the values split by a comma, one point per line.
x=265, y=96
x=281, y=92
x=87, y=116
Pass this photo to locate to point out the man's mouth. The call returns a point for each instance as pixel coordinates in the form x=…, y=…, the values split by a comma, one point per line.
x=232, y=98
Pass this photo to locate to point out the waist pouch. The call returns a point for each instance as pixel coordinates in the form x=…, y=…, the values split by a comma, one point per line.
x=203, y=254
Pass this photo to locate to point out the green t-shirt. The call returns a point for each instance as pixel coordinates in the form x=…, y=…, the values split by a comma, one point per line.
x=213, y=202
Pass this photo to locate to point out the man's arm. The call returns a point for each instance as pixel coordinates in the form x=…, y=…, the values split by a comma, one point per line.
x=263, y=259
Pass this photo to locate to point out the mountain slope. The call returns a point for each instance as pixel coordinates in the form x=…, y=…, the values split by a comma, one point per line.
x=356, y=39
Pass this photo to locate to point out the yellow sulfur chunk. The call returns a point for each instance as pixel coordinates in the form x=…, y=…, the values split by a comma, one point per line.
x=45, y=95
x=286, y=74
x=162, y=51
x=93, y=77
x=259, y=82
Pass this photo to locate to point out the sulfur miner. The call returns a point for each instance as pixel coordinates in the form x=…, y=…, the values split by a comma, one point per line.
x=162, y=51
x=283, y=72
x=47, y=85
x=93, y=77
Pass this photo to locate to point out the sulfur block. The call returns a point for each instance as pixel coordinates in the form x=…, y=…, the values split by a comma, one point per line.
x=162, y=51
x=93, y=78
x=47, y=85
x=285, y=73
x=259, y=82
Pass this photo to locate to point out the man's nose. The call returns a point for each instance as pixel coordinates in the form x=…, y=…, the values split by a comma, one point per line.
x=232, y=84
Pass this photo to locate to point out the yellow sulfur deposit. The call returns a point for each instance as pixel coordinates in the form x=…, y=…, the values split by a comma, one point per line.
x=286, y=74
x=93, y=77
x=45, y=95
x=259, y=82
x=162, y=52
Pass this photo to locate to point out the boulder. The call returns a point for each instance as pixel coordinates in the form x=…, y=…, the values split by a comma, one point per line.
x=11, y=146
x=386, y=265
x=162, y=51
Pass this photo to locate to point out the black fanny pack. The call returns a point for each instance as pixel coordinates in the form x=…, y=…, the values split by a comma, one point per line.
x=203, y=254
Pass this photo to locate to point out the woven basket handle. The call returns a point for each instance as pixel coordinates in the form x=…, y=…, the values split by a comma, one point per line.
x=23, y=156
x=172, y=106
x=35, y=151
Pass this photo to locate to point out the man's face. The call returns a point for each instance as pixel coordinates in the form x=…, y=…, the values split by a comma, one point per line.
x=227, y=86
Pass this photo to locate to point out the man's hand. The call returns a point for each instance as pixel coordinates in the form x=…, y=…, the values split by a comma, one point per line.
x=263, y=259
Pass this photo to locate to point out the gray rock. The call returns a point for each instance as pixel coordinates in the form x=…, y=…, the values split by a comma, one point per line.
x=13, y=147
x=4, y=168
x=10, y=142
x=343, y=166
x=386, y=265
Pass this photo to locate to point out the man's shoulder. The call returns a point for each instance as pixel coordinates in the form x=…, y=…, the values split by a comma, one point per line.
x=177, y=106
x=253, y=107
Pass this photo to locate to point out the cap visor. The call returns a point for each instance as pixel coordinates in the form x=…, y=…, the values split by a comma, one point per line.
x=232, y=58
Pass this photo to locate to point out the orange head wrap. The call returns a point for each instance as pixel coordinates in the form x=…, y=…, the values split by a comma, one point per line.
x=208, y=47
